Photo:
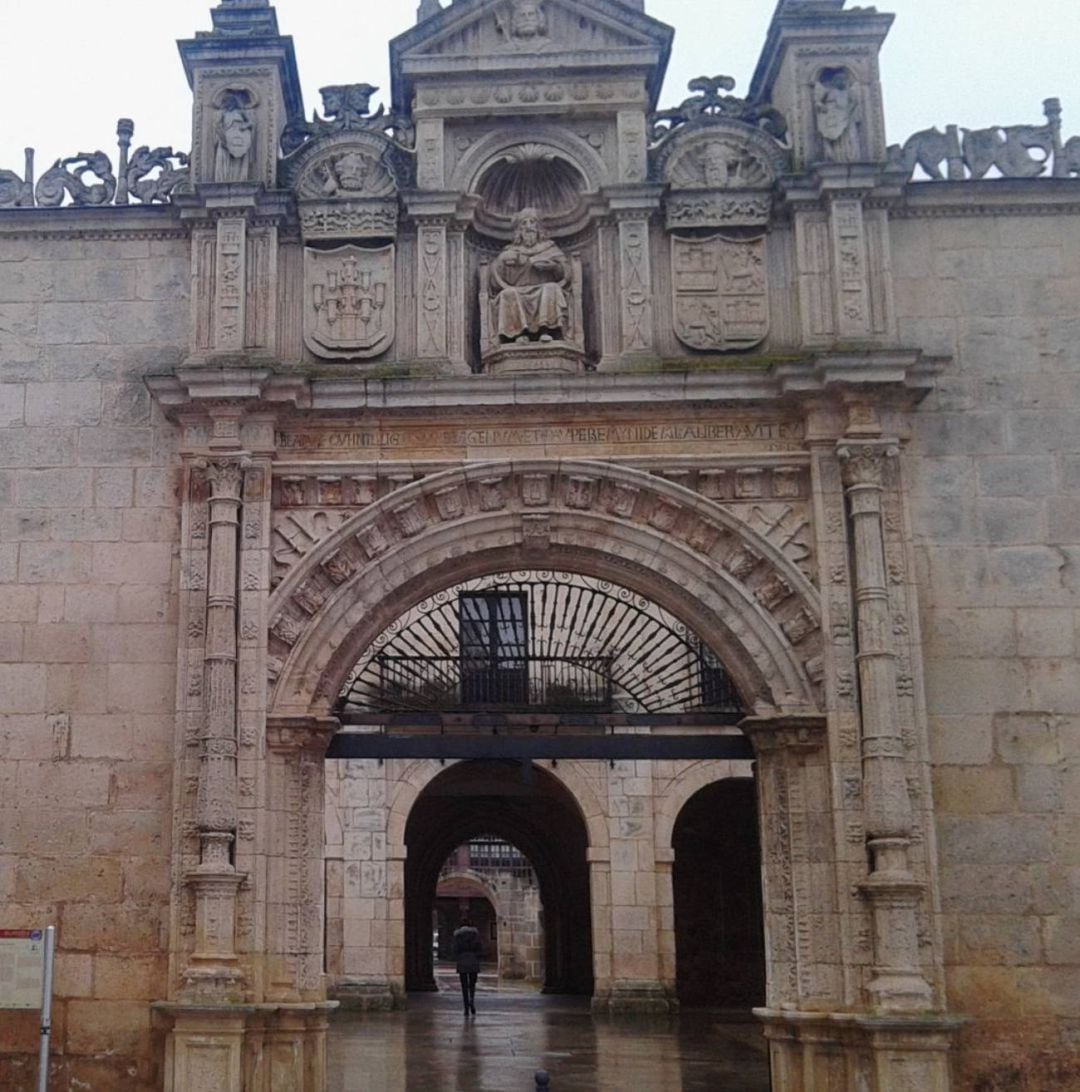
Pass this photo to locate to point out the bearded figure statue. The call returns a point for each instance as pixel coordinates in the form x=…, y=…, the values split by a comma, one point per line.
x=528, y=282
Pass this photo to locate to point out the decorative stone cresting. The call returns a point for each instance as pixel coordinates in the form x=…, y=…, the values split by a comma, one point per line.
x=1006, y=148
x=65, y=180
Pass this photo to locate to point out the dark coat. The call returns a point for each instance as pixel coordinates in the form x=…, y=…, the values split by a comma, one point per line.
x=467, y=949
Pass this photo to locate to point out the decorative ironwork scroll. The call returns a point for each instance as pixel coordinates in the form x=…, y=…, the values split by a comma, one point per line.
x=556, y=641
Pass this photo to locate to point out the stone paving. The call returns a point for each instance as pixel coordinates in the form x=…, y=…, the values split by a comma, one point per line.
x=431, y=1046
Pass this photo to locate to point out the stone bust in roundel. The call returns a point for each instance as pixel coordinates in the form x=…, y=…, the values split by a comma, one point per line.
x=526, y=19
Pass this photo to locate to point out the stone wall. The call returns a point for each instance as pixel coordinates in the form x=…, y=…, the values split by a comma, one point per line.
x=994, y=466
x=88, y=532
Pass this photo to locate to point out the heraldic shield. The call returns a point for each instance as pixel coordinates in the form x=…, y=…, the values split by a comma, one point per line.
x=720, y=292
x=349, y=301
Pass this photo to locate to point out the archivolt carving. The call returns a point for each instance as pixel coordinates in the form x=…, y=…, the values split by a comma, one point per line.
x=728, y=580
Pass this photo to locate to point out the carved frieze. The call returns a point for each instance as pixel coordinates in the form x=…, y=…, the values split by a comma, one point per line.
x=720, y=293
x=349, y=301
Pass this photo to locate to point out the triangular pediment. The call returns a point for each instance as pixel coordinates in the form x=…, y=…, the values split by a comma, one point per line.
x=509, y=35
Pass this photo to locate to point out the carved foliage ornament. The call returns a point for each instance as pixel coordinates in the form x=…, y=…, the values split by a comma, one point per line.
x=73, y=178
x=349, y=301
x=720, y=293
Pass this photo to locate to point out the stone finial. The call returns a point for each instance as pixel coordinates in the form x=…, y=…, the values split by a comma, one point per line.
x=244, y=18
x=427, y=9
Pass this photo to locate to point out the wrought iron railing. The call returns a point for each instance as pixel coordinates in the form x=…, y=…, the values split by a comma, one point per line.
x=581, y=683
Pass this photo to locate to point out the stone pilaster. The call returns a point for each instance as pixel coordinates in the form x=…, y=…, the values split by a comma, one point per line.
x=802, y=928
x=898, y=983
x=213, y=969
x=296, y=747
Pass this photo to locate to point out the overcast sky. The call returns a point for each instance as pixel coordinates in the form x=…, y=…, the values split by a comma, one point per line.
x=72, y=67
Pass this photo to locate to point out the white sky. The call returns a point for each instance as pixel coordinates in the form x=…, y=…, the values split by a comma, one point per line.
x=72, y=67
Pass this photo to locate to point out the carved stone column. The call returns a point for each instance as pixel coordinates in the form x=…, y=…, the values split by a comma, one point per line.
x=898, y=984
x=213, y=970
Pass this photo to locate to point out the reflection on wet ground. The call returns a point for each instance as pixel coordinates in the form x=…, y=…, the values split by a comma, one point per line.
x=431, y=1046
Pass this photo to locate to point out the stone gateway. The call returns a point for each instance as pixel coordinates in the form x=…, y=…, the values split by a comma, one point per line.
x=649, y=530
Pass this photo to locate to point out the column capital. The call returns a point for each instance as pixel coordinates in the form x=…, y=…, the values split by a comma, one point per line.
x=864, y=462
x=799, y=733
x=298, y=733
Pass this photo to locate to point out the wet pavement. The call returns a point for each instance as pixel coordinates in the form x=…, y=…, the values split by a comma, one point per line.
x=432, y=1046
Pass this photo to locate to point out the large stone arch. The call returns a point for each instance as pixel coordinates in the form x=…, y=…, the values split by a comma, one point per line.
x=724, y=580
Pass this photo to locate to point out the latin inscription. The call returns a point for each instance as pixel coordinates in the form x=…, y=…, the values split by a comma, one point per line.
x=756, y=434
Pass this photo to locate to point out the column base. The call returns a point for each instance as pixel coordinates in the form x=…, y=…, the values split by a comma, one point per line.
x=626, y=998
x=858, y=1052
x=367, y=995
x=245, y=1048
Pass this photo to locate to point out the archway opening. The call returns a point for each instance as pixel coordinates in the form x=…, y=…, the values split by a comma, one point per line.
x=719, y=934
x=521, y=806
x=493, y=883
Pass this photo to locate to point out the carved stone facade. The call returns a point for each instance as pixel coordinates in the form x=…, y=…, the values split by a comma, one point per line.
x=726, y=357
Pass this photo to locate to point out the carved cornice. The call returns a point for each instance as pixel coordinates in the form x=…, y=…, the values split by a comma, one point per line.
x=906, y=371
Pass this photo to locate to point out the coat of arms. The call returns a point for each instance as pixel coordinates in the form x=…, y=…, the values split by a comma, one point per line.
x=349, y=301
x=720, y=292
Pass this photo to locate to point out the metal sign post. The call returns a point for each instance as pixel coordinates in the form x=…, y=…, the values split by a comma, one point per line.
x=26, y=978
x=46, y=1009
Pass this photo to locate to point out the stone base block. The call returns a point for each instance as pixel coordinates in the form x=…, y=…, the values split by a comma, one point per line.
x=634, y=997
x=852, y=1052
x=245, y=1048
x=534, y=357
x=364, y=995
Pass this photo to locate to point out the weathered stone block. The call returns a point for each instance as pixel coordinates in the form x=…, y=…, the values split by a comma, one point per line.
x=115, y=446
x=122, y=1027
x=994, y=839
x=59, y=404
x=12, y=404
x=55, y=563
x=1045, y=631
x=1027, y=738
x=973, y=791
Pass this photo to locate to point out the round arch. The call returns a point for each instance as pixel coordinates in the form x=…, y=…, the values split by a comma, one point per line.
x=419, y=774
x=542, y=820
x=717, y=897
x=687, y=783
x=751, y=604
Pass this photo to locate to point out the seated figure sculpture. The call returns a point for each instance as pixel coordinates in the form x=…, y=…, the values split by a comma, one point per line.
x=529, y=279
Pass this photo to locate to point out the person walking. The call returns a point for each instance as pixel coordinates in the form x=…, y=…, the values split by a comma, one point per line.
x=467, y=950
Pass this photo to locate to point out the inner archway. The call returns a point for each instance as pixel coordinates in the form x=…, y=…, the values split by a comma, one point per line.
x=719, y=935
x=525, y=806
